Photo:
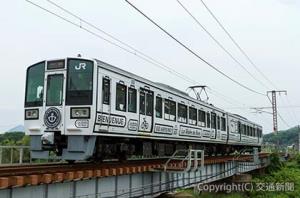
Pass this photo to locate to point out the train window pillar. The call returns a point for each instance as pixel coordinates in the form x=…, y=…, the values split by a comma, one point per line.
x=132, y=100
x=121, y=94
x=106, y=91
x=158, y=107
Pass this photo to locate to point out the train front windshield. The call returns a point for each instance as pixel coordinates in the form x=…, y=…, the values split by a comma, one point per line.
x=80, y=82
x=35, y=85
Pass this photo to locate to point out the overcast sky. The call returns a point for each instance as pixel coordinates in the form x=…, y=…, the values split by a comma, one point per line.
x=269, y=31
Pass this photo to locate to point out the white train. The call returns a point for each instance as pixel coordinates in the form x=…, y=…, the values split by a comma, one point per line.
x=82, y=108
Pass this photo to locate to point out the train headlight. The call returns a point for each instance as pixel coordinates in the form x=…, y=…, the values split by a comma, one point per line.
x=31, y=114
x=82, y=112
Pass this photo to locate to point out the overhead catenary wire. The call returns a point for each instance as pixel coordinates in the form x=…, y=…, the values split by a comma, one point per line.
x=123, y=43
x=134, y=51
x=220, y=45
x=237, y=45
x=194, y=53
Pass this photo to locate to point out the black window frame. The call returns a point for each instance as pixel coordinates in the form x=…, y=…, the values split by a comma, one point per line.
x=125, y=97
x=170, y=104
x=142, y=107
x=180, y=113
x=158, y=107
x=202, y=117
x=218, y=123
x=149, y=106
x=223, y=124
x=130, y=101
x=193, y=116
x=62, y=89
x=36, y=103
x=208, y=120
x=67, y=100
x=106, y=92
x=213, y=120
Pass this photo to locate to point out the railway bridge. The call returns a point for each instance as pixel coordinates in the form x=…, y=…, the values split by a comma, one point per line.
x=133, y=178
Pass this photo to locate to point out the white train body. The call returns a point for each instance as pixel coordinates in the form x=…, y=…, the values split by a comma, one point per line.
x=72, y=104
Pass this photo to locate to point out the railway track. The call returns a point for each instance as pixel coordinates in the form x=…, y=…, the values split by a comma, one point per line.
x=21, y=175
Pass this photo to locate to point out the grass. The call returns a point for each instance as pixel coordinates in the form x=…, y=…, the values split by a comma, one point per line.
x=278, y=173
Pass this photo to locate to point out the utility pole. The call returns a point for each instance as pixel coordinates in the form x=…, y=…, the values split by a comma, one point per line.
x=274, y=107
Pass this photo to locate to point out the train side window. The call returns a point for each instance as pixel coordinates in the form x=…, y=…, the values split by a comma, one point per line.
x=106, y=91
x=121, y=94
x=213, y=120
x=167, y=109
x=239, y=127
x=218, y=123
x=149, y=104
x=172, y=110
x=245, y=129
x=192, y=116
x=142, y=103
x=132, y=100
x=208, y=119
x=201, y=118
x=158, y=107
x=223, y=124
x=182, y=113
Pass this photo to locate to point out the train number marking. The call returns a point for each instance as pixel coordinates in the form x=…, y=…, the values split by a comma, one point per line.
x=82, y=123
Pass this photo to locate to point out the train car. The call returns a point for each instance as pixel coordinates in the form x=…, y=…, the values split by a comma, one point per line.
x=79, y=109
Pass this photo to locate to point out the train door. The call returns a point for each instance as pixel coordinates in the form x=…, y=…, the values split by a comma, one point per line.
x=54, y=103
x=146, y=110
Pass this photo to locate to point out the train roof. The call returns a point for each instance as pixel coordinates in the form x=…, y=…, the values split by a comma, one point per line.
x=155, y=84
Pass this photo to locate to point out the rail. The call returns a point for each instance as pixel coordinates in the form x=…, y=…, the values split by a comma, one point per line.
x=35, y=174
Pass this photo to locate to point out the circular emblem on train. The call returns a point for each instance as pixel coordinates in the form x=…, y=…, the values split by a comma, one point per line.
x=52, y=117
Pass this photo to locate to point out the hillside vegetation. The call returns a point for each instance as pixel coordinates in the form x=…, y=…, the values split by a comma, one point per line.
x=285, y=138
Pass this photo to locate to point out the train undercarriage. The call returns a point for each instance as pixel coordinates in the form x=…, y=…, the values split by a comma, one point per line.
x=98, y=148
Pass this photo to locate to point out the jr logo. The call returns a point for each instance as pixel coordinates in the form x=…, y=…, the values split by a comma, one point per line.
x=80, y=66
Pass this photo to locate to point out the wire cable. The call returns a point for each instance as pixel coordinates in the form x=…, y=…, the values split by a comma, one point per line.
x=169, y=69
x=134, y=50
x=220, y=45
x=194, y=53
x=237, y=45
